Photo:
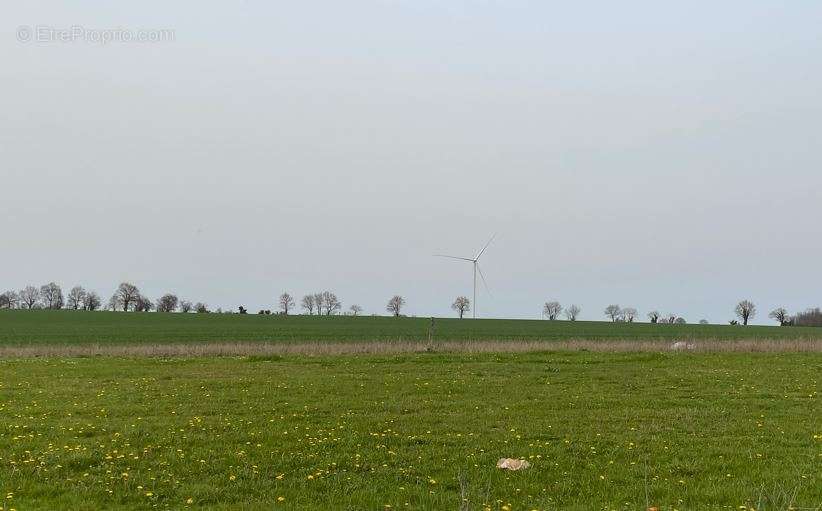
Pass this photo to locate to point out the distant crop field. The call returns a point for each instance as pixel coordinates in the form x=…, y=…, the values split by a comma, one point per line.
x=414, y=431
x=77, y=327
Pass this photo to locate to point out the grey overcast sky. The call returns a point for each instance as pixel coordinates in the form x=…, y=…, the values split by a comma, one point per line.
x=658, y=155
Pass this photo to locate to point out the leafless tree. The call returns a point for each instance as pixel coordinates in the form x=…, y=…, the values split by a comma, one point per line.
x=331, y=303
x=780, y=314
x=201, y=308
x=307, y=303
x=29, y=296
x=9, y=300
x=318, y=303
x=654, y=316
x=92, y=301
x=811, y=317
x=670, y=318
x=75, y=297
x=613, y=311
x=186, y=306
x=395, y=305
x=126, y=295
x=552, y=310
x=629, y=314
x=143, y=304
x=286, y=303
x=167, y=303
x=572, y=312
x=462, y=305
x=52, y=296
x=356, y=310
x=745, y=310
x=680, y=321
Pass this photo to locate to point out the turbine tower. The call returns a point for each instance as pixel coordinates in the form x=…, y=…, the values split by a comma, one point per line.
x=475, y=262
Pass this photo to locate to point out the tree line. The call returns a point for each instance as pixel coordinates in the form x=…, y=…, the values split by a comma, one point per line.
x=744, y=311
x=128, y=298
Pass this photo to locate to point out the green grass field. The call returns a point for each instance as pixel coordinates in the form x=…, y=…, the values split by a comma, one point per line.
x=402, y=431
x=413, y=431
x=72, y=327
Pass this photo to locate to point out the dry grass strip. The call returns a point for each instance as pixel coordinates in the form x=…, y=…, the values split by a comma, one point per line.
x=228, y=349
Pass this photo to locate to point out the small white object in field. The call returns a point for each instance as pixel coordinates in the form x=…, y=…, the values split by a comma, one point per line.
x=512, y=464
x=682, y=345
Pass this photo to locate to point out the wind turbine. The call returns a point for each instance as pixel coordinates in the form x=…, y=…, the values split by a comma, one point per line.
x=477, y=269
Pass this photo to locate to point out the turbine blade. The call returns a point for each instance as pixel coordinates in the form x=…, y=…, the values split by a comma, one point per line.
x=453, y=257
x=486, y=246
x=483, y=280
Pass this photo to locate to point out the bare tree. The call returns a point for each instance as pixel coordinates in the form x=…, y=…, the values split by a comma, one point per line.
x=613, y=311
x=318, y=303
x=680, y=321
x=629, y=314
x=654, y=316
x=125, y=296
x=92, y=301
x=356, y=310
x=201, y=308
x=745, y=310
x=186, y=306
x=9, y=300
x=811, y=317
x=670, y=318
x=52, y=296
x=330, y=303
x=462, y=305
x=572, y=312
x=167, y=303
x=551, y=310
x=75, y=297
x=781, y=315
x=29, y=296
x=143, y=304
x=286, y=303
x=395, y=305
x=307, y=303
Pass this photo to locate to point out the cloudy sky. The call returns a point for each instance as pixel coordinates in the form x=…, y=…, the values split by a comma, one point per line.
x=643, y=153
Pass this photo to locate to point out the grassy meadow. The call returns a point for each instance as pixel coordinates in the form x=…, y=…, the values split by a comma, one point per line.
x=413, y=431
x=396, y=427
x=77, y=327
